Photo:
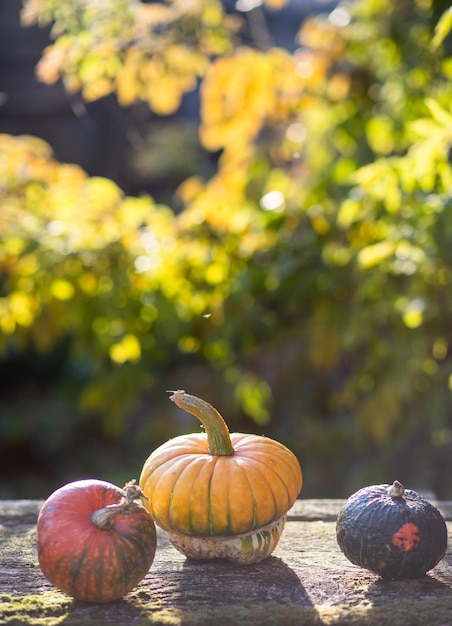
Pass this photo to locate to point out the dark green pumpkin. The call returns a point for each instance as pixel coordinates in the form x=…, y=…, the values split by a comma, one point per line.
x=391, y=531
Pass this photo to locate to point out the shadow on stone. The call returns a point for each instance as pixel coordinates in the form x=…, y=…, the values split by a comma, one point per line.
x=402, y=602
x=237, y=594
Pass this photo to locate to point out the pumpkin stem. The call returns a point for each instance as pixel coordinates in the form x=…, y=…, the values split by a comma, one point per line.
x=216, y=429
x=396, y=490
x=104, y=518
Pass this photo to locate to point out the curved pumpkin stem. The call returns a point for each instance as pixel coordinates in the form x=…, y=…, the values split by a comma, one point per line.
x=104, y=518
x=216, y=429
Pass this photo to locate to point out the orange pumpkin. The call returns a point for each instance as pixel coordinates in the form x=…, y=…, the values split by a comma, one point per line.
x=219, y=494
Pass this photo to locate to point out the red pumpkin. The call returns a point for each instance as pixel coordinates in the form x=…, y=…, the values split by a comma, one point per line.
x=391, y=531
x=94, y=542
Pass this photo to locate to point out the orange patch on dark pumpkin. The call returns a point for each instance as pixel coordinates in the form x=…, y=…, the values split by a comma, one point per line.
x=407, y=537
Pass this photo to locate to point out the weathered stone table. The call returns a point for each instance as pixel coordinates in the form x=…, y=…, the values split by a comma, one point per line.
x=307, y=581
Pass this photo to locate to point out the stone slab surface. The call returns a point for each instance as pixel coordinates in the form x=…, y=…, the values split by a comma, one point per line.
x=306, y=581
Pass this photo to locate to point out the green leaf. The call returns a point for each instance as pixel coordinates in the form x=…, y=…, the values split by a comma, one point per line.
x=254, y=395
x=438, y=113
x=442, y=29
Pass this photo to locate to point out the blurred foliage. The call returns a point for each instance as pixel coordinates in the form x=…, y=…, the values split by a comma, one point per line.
x=306, y=284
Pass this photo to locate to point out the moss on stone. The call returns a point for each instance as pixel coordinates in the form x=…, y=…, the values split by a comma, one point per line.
x=52, y=608
x=434, y=612
x=45, y=609
x=249, y=614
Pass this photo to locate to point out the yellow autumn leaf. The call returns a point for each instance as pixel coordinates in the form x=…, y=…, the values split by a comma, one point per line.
x=190, y=189
x=320, y=34
x=155, y=14
x=163, y=95
x=88, y=283
x=380, y=134
x=31, y=11
x=100, y=194
x=27, y=265
x=189, y=344
x=350, y=210
x=22, y=307
x=128, y=87
x=62, y=289
x=338, y=86
x=275, y=5
x=373, y=255
x=49, y=67
x=91, y=67
x=96, y=89
x=128, y=349
x=236, y=96
x=129, y=84
x=7, y=321
x=182, y=60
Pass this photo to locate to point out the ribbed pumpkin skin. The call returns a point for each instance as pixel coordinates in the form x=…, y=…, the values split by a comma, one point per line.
x=195, y=493
x=393, y=537
x=84, y=561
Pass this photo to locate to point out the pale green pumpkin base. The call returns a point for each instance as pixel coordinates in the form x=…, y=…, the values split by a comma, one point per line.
x=307, y=581
x=243, y=549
